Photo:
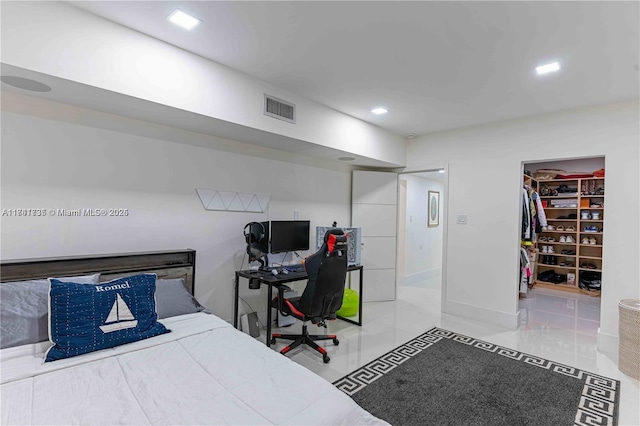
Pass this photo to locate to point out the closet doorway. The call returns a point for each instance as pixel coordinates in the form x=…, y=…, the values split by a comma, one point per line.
x=421, y=235
x=565, y=251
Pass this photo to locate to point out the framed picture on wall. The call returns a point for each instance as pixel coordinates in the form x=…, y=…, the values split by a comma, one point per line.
x=434, y=209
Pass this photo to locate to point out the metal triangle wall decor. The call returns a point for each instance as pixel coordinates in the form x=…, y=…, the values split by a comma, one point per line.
x=213, y=199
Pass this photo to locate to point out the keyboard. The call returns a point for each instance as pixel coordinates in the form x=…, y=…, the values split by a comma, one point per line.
x=295, y=268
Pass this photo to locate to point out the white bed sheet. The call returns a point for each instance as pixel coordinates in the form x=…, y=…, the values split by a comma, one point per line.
x=203, y=372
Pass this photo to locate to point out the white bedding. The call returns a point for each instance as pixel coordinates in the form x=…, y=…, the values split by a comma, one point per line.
x=203, y=372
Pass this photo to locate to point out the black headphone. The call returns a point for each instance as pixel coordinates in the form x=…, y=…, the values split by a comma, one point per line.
x=249, y=235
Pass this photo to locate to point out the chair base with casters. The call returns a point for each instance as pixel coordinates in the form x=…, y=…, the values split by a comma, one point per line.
x=306, y=339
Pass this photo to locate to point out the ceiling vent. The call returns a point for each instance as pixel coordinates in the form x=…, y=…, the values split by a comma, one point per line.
x=277, y=108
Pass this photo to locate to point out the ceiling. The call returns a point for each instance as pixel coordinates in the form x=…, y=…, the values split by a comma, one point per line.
x=434, y=65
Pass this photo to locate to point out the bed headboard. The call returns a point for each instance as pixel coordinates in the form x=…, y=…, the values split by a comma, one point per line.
x=166, y=264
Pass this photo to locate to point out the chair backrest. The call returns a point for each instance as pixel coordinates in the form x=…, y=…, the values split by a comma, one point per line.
x=327, y=271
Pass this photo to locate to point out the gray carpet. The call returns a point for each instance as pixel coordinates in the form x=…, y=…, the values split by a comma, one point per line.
x=444, y=378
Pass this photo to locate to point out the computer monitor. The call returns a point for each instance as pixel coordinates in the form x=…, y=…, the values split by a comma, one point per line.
x=289, y=235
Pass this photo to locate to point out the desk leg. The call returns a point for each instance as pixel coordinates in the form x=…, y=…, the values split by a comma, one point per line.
x=235, y=301
x=360, y=299
x=359, y=322
x=270, y=296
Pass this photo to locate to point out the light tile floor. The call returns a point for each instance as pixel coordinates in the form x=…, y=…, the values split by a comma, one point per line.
x=555, y=325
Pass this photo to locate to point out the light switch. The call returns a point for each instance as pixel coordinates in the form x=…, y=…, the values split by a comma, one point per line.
x=462, y=219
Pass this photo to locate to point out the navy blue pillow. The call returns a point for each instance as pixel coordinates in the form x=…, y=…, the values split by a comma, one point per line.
x=88, y=317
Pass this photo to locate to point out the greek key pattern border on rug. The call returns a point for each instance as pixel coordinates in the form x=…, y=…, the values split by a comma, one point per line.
x=596, y=405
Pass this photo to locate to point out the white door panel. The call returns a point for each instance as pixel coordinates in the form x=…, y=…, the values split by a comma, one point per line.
x=374, y=209
x=376, y=253
x=379, y=285
x=375, y=219
x=374, y=188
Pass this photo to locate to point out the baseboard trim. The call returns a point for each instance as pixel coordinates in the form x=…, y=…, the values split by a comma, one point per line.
x=476, y=313
x=419, y=276
x=607, y=343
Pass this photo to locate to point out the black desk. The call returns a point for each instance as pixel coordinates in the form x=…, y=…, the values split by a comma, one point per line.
x=276, y=280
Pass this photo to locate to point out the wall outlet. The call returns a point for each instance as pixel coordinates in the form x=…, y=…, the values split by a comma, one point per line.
x=296, y=214
x=461, y=219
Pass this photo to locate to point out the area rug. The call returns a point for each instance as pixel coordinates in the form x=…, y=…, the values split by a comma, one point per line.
x=444, y=378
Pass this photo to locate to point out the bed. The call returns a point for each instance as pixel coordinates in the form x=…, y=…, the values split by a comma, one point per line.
x=201, y=372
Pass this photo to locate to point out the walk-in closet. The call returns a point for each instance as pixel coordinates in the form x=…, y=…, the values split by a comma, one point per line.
x=563, y=228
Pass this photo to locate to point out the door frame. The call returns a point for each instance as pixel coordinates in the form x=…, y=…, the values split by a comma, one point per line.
x=443, y=220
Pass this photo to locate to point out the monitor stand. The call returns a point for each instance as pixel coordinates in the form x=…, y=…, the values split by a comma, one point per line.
x=264, y=262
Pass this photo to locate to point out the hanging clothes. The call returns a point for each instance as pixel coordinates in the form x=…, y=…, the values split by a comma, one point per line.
x=533, y=219
x=526, y=216
x=525, y=271
x=533, y=215
x=541, y=217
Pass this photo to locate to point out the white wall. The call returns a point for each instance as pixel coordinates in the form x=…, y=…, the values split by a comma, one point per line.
x=484, y=183
x=80, y=47
x=423, y=245
x=54, y=164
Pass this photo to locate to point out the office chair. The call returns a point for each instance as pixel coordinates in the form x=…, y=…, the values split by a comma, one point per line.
x=321, y=298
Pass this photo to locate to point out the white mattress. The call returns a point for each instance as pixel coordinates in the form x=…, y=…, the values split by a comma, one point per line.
x=203, y=372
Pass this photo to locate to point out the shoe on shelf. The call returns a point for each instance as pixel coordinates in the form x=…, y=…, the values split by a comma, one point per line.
x=569, y=239
x=551, y=228
x=550, y=249
x=571, y=228
x=585, y=240
x=545, y=249
x=563, y=239
x=550, y=239
x=559, y=228
x=592, y=241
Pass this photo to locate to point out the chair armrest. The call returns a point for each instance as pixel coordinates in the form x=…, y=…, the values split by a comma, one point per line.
x=281, y=290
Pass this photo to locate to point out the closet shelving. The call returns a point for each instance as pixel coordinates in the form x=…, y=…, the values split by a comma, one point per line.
x=579, y=213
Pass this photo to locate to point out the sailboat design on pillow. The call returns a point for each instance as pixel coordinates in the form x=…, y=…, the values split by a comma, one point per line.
x=120, y=317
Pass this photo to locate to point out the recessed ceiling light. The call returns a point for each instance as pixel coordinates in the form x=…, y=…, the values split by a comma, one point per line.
x=547, y=68
x=410, y=136
x=25, y=83
x=183, y=19
x=346, y=158
x=379, y=110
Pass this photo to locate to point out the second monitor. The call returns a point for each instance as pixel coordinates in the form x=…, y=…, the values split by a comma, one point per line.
x=289, y=235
